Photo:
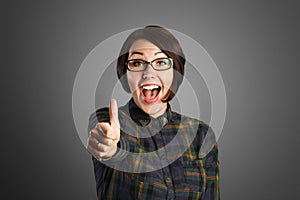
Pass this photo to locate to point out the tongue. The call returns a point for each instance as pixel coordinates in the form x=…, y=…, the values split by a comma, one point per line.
x=150, y=94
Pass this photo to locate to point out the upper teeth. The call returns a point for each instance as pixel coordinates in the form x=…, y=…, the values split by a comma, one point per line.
x=150, y=87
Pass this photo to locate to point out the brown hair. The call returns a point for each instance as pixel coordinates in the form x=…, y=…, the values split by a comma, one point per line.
x=166, y=42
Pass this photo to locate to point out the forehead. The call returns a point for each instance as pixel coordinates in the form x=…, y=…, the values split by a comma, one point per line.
x=143, y=45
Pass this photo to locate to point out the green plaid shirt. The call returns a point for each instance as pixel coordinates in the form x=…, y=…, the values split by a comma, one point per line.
x=170, y=157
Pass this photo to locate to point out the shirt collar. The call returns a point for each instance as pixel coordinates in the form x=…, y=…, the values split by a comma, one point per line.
x=143, y=119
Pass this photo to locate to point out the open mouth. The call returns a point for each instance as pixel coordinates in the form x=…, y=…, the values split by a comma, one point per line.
x=150, y=92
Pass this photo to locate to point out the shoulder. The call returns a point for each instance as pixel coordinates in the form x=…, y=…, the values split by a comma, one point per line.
x=101, y=114
x=186, y=121
x=202, y=134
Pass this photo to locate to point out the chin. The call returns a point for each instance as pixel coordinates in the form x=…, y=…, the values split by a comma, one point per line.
x=154, y=108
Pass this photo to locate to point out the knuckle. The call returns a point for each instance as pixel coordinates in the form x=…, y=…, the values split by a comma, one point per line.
x=90, y=142
x=102, y=154
x=105, y=149
x=99, y=146
x=93, y=132
x=110, y=142
x=88, y=148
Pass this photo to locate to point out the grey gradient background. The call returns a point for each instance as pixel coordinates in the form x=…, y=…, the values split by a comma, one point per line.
x=255, y=44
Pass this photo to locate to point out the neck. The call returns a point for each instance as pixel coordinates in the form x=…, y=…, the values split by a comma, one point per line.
x=157, y=110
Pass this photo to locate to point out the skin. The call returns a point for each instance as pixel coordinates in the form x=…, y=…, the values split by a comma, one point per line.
x=103, y=139
x=145, y=50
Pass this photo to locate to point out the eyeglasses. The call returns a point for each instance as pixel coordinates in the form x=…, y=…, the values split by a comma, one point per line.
x=159, y=64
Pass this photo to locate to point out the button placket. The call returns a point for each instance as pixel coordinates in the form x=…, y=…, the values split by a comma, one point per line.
x=159, y=139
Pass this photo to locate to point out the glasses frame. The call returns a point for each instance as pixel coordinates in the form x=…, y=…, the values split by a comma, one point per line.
x=146, y=64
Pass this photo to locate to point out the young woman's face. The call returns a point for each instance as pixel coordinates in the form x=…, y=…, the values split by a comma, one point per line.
x=148, y=87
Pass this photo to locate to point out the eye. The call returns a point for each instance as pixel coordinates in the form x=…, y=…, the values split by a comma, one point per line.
x=136, y=63
x=162, y=62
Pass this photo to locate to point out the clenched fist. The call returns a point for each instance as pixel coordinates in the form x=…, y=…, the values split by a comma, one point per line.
x=103, y=139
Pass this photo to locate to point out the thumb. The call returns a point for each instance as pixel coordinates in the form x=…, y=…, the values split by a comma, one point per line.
x=113, y=113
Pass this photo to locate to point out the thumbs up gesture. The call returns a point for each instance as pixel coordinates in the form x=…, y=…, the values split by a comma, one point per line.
x=103, y=139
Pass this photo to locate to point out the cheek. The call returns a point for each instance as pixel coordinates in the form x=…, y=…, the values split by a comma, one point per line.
x=168, y=79
x=132, y=81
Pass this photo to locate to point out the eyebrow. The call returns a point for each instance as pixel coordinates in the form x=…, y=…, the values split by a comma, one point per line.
x=140, y=53
x=158, y=52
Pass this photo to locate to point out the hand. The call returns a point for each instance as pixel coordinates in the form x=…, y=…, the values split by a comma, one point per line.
x=103, y=139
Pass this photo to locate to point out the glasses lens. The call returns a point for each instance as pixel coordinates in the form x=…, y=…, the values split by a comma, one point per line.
x=162, y=64
x=136, y=65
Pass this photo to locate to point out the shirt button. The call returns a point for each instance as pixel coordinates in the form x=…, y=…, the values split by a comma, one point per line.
x=144, y=122
x=168, y=180
x=165, y=120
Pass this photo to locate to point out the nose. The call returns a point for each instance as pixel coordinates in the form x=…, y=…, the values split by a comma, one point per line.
x=148, y=72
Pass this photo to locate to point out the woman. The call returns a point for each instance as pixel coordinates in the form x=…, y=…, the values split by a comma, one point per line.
x=144, y=150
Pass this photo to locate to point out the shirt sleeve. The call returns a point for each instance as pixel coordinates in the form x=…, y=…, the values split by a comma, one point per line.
x=209, y=154
x=101, y=170
x=212, y=165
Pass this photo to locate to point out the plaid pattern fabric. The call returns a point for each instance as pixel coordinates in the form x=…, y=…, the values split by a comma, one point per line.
x=193, y=174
